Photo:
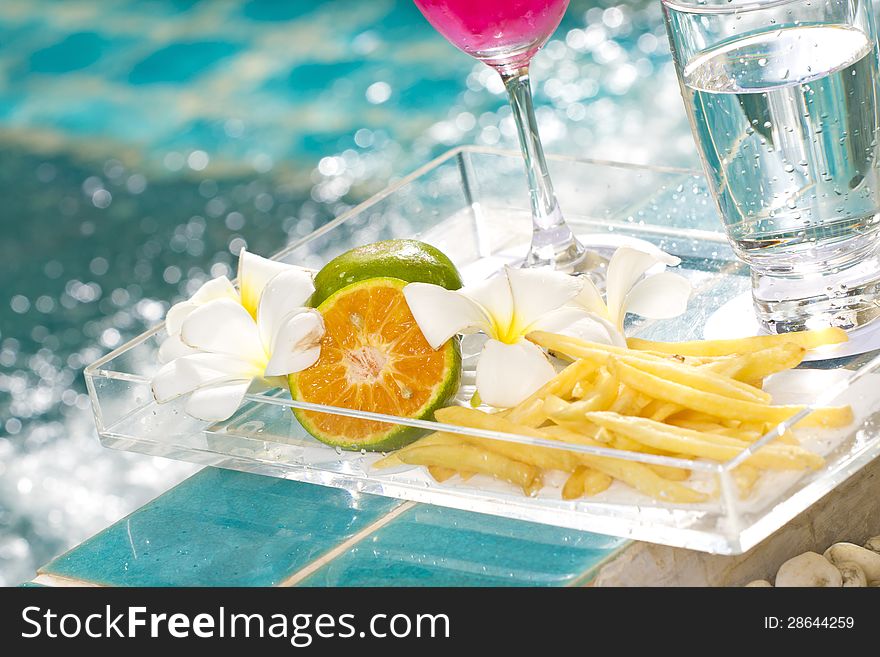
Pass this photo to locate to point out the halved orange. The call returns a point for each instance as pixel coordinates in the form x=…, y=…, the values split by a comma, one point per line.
x=374, y=358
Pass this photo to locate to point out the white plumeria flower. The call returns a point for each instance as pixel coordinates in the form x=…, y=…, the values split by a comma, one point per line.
x=511, y=305
x=253, y=274
x=173, y=347
x=636, y=283
x=233, y=347
x=506, y=307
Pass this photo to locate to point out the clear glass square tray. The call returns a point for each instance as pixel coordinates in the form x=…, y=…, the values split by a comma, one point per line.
x=472, y=204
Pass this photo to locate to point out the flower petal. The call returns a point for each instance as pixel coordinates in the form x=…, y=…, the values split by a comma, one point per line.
x=595, y=328
x=216, y=288
x=223, y=326
x=508, y=373
x=557, y=320
x=536, y=292
x=253, y=273
x=660, y=296
x=188, y=373
x=218, y=402
x=441, y=313
x=627, y=266
x=579, y=323
x=176, y=314
x=494, y=297
x=297, y=344
x=590, y=297
x=173, y=347
x=284, y=293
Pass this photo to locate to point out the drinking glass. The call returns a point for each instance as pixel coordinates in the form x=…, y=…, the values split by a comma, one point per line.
x=505, y=34
x=782, y=99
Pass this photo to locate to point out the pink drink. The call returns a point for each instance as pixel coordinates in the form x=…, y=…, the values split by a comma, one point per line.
x=502, y=33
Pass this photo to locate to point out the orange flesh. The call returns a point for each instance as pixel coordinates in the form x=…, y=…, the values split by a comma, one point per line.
x=373, y=358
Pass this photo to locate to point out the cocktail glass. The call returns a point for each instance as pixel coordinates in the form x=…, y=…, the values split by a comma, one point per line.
x=505, y=34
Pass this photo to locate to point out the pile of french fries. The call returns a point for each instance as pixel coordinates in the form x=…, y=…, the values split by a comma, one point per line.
x=689, y=400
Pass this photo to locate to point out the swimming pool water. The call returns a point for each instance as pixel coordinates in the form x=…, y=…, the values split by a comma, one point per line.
x=144, y=142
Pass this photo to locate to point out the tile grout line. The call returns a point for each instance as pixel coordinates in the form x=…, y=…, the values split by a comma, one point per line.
x=59, y=581
x=586, y=577
x=313, y=566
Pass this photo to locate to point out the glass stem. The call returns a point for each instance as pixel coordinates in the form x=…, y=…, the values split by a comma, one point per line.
x=553, y=243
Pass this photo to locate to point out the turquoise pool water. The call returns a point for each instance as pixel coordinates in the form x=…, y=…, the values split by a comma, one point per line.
x=143, y=143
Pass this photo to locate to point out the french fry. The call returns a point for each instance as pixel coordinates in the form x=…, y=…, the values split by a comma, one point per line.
x=441, y=474
x=745, y=477
x=645, y=480
x=724, y=365
x=696, y=377
x=585, y=482
x=629, y=401
x=604, y=390
x=671, y=472
x=560, y=410
x=637, y=475
x=616, y=441
x=806, y=339
x=477, y=460
x=661, y=411
x=575, y=348
x=745, y=434
x=545, y=458
x=625, y=444
x=725, y=407
x=706, y=445
x=559, y=343
x=528, y=412
x=641, y=476
x=787, y=437
x=760, y=364
x=686, y=400
x=393, y=459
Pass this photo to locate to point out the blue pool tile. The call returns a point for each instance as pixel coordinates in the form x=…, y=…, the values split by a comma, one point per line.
x=179, y=63
x=435, y=546
x=222, y=528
